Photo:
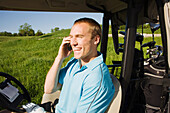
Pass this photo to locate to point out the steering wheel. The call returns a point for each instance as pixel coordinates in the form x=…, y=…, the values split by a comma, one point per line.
x=14, y=104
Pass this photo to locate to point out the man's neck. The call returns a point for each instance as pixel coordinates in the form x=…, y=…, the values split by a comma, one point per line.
x=85, y=61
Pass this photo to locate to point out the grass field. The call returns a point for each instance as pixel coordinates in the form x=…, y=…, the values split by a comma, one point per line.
x=29, y=58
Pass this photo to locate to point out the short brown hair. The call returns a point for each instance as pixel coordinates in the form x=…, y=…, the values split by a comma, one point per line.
x=96, y=29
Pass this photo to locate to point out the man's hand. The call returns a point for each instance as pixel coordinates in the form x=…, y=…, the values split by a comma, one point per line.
x=63, y=50
x=33, y=108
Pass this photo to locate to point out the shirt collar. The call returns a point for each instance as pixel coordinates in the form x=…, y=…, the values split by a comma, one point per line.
x=92, y=64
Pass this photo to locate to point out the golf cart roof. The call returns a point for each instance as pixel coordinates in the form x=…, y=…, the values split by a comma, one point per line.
x=62, y=5
x=117, y=8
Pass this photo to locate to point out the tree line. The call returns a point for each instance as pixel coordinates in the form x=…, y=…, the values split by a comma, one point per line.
x=26, y=30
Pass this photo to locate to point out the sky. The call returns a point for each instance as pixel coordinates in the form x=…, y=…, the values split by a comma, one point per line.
x=10, y=21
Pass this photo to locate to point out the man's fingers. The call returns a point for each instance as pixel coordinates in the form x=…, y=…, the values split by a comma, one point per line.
x=67, y=39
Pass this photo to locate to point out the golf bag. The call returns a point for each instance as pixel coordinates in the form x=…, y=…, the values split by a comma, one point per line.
x=154, y=91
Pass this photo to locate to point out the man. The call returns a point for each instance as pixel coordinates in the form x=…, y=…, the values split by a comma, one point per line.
x=86, y=83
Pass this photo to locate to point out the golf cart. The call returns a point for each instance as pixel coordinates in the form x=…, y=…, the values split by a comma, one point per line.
x=137, y=76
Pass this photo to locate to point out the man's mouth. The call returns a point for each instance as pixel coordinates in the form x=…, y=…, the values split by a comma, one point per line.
x=76, y=49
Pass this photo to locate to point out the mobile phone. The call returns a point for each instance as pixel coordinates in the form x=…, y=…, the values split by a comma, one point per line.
x=69, y=47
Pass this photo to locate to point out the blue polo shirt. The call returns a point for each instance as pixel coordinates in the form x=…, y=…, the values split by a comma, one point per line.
x=88, y=88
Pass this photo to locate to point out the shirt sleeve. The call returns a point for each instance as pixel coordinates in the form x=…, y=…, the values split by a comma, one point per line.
x=63, y=71
x=97, y=93
x=62, y=74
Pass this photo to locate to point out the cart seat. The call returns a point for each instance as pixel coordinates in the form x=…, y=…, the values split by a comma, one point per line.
x=113, y=107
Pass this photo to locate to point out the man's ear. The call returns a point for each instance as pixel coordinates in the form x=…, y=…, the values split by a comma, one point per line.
x=97, y=39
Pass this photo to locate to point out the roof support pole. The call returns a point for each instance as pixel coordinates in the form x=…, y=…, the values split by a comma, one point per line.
x=104, y=39
x=128, y=54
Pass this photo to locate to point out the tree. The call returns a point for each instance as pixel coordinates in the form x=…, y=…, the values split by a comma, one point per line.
x=5, y=33
x=55, y=29
x=52, y=30
x=31, y=32
x=15, y=34
x=39, y=33
x=22, y=32
x=26, y=30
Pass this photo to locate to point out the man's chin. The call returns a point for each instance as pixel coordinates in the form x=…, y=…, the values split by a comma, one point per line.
x=76, y=57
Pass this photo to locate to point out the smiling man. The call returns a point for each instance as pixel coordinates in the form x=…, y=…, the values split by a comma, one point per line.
x=85, y=80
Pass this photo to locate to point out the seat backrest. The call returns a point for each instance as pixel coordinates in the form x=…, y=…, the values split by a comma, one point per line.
x=114, y=106
x=50, y=97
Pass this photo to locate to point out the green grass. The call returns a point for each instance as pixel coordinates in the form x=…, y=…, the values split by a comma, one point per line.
x=60, y=33
x=28, y=59
x=147, y=31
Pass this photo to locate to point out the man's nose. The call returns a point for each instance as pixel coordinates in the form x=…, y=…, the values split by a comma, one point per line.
x=73, y=41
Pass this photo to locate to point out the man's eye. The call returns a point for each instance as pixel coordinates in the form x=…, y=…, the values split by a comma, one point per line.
x=80, y=37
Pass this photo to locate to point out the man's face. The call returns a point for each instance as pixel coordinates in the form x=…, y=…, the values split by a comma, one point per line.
x=83, y=45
